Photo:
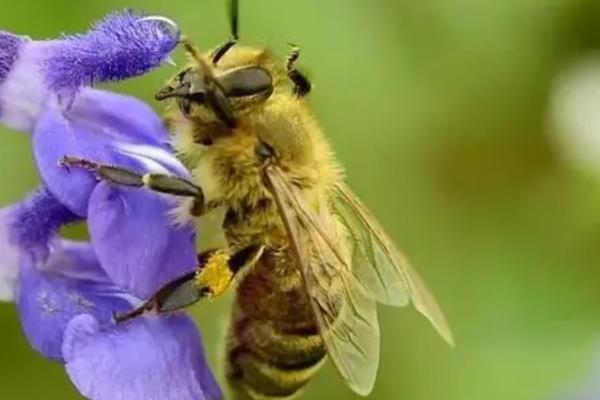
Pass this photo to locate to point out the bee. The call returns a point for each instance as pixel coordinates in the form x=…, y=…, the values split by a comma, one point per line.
x=308, y=259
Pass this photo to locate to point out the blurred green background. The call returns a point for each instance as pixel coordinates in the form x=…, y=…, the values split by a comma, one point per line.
x=440, y=112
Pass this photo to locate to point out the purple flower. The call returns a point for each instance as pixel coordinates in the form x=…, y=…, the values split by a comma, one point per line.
x=47, y=74
x=67, y=292
x=120, y=46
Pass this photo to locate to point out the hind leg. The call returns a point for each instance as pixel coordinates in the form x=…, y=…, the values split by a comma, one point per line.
x=214, y=275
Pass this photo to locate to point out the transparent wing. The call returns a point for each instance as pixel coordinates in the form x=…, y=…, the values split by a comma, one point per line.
x=379, y=266
x=371, y=263
x=346, y=317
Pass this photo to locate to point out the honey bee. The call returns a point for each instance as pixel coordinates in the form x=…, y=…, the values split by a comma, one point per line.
x=309, y=261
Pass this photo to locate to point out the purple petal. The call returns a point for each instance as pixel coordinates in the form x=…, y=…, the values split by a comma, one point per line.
x=136, y=241
x=9, y=49
x=120, y=46
x=36, y=76
x=36, y=221
x=106, y=128
x=26, y=230
x=72, y=283
x=152, y=358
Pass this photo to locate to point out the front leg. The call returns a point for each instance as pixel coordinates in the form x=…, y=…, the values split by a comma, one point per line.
x=302, y=85
x=162, y=183
x=215, y=274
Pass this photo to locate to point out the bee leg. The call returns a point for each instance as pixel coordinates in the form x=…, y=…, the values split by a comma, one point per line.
x=214, y=94
x=146, y=307
x=214, y=275
x=302, y=85
x=173, y=296
x=162, y=183
x=221, y=268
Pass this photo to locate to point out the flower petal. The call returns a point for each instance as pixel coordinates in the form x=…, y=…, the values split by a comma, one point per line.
x=26, y=230
x=9, y=49
x=102, y=127
x=121, y=46
x=150, y=358
x=23, y=94
x=136, y=241
x=39, y=75
x=71, y=283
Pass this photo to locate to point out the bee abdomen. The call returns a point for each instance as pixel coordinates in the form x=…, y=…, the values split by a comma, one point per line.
x=267, y=363
x=263, y=379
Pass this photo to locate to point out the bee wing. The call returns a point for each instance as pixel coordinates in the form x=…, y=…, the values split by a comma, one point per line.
x=371, y=262
x=346, y=317
x=379, y=266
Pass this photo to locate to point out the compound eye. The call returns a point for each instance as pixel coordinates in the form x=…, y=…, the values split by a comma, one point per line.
x=246, y=81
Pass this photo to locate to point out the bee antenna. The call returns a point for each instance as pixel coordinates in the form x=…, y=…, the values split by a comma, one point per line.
x=234, y=19
x=194, y=54
x=234, y=25
x=190, y=48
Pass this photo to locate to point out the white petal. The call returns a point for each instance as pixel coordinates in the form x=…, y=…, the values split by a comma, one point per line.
x=154, y=159
x=9, y=262
x=23, y=95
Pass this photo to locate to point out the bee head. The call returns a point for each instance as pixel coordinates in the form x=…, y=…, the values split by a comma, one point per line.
x=221, y=89
x=219, y=86
x=239, y=92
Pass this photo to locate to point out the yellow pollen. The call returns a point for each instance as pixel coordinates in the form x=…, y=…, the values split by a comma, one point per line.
x=216, y=275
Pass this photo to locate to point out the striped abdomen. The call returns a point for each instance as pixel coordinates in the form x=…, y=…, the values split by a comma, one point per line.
x=274, y=346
